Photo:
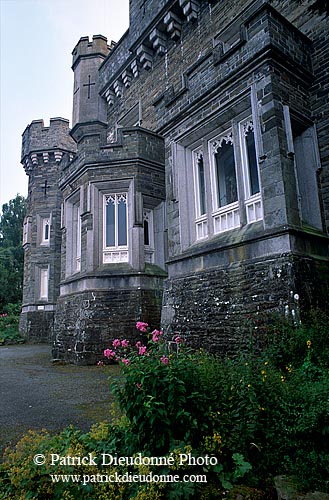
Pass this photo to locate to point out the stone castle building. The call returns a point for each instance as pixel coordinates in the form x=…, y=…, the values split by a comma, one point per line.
x=193, y=187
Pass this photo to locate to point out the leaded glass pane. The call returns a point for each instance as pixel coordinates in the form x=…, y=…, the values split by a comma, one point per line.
x=202, y=191
x=110, y=224
x=227, y=191
x=122, y=222
x=46, y=235
x=252, y=162
x=146, y=233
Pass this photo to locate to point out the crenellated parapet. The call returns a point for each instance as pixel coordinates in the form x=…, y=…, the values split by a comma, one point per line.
x=87, y=58
x=97, y=47
x=42, y=145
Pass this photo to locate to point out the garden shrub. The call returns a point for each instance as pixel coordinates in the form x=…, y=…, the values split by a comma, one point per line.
x=271, y=408
x=9, y=321
x=257, y=415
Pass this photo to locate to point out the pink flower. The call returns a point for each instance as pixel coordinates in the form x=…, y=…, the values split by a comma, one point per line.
x=156, y=335
x=100, y=363
x=142, y=350
x=125, y=361
x=139, y=386
x=164, y=360
x=142, y=327
x=138, y=344
x=124, y=343
x=109, y=354
x=178, y=340
x=116, y=343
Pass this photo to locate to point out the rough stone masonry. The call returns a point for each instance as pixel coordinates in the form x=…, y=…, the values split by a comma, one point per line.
x=192, y=189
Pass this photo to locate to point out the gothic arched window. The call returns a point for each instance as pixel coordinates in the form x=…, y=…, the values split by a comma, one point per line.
x=115, y=228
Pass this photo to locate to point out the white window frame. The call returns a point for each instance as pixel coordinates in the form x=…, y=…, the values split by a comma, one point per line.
x=227, y=217
x=247, y=207
x=115, y=253
x=26, y=230
x=77, y=242
x=149, y=249
x=252, y=202
x=71, y=211
x=201, y=220
x=44, y=283
x=45, y=238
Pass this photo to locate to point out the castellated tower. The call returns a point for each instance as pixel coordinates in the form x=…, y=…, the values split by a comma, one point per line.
x=44, y=152
x=112, y=258
x=89, y=111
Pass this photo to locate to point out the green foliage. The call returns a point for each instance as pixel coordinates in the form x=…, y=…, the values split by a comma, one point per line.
x=170, y=397
x=285, y=344
x=9, y=321
x=11, y=251
x=11, y=222
x=257, y=416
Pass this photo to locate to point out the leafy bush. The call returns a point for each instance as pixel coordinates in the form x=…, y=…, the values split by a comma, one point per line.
x=256, y=416
x=273, y=409
x=164, y=391
x=284, y=343
x=9, y=321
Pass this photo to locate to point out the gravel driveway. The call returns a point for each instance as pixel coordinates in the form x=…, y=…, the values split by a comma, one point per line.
x=36, y=394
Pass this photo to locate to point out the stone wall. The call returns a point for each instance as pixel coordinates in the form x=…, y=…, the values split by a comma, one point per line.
x=219, y=308
x=37, y=326
x=88, y=322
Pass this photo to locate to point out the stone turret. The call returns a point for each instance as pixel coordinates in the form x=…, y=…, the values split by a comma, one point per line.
x=44, y=151
x=88, y=107
x=40, y=143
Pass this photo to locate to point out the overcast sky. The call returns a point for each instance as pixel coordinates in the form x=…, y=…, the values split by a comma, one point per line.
x=37, y=39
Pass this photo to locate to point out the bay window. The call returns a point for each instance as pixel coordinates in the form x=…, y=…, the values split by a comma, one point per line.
x=229, y=175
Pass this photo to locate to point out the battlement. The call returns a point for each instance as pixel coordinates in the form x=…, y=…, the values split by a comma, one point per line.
x=38, y=138
x=86, y=48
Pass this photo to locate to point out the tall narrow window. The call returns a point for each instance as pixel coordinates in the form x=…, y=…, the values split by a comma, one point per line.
x=227, y=191
x=251, y=158
x=250, y=172
x=146, y=232
x=26, y=231
x=226, y=210
x=303, y=148
x=148, y=236
x=201, y=223
x=44, y=283
x=72, y=214
x=115, y=228
x=45, y=231
x=201, y=185
x=78, y=239
x=122, y=220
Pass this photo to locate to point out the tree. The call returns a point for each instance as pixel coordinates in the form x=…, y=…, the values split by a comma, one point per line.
x=11, y=222
x=11, y=251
